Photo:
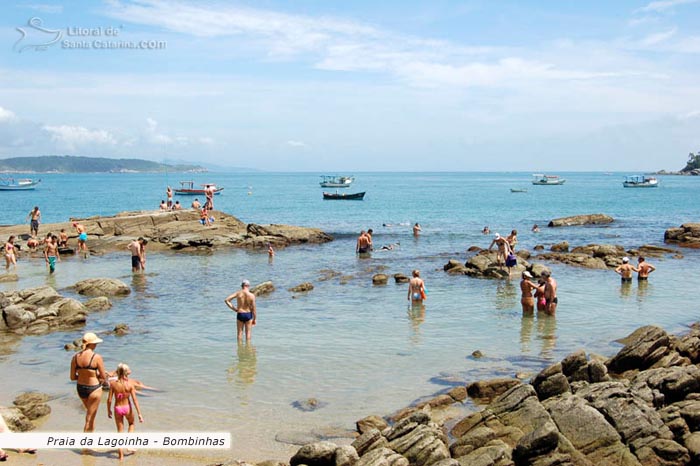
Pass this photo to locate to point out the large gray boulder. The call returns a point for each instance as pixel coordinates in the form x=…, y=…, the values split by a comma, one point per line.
x=644, y=347
x=101, y=287
x=587, y=219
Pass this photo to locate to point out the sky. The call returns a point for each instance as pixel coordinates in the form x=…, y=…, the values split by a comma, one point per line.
x=397, y=85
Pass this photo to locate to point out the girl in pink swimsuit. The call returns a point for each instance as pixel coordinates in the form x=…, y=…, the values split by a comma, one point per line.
x=123, y=390
x=10, y=257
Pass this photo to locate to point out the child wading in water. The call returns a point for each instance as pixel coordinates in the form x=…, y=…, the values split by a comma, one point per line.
x=122, y=390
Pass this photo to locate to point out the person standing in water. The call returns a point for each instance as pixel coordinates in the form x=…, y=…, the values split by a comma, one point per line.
x=644, y=268
x=123, y=390
x=526, y=288
x=169, y=196
x=246, y=312
x=10, y=255
x=51, y=253
x=82, y=238
x=416, y=229
x=550, y=293
x=416, y=288
x=625, y=270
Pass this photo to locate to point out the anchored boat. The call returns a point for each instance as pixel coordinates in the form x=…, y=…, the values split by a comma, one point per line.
x=328, y=181
x=187, y=188
x=640, y=181
x=349, y=197
x=25, y=184
x=547, y=180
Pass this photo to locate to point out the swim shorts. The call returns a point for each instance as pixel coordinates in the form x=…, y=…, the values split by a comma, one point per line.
x=244, y=316
x=82, y=236
x=135, y=262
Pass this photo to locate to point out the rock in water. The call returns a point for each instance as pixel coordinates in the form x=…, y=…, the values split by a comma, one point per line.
x=102, y=287
x=587, y=219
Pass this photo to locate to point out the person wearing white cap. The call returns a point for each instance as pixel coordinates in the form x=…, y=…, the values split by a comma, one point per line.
x=246, y=313
x=625, y=270
x=87, y=368
x=503, y=249
x=526, y=288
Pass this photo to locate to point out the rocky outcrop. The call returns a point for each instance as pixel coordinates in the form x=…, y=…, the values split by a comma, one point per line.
x=380, y=279
x=102, y=287
x=687, y=235
x=484, y=265
x=179, y=230
x=263, y=289
x=41, y=310
x=571, y=414
x=28, y=407
x=588, y=219
x=302, y=288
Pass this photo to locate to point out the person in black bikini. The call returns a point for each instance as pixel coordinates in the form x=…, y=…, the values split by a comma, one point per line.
x=246, y=313
x=87, y=368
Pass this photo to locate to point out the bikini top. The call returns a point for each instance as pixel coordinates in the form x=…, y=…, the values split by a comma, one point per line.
x=9, y=247
x=88, y=367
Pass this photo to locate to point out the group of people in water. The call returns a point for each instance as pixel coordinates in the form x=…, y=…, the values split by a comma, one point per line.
x=87, y=369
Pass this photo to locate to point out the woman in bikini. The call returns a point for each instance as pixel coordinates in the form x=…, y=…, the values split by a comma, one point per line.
x=10, y=257
x=87, y=368
x=123, y=390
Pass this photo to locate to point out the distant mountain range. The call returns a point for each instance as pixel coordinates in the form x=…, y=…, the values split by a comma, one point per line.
x=73, y=164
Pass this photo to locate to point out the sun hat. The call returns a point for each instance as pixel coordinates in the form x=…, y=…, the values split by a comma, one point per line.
x=90, y=338
x=245, y=283
x=527, y=274
x=497, y=236
x=625, y=259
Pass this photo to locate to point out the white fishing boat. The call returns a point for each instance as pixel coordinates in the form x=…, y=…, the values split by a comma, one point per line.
x=640, y=181
x=25, y=184
x=547, y=180
x=329, y=181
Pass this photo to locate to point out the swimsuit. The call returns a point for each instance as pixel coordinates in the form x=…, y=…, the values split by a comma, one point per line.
x=52, y=268
x=35, y=225
x=641, y=278
x=122, y=410
x=363, y=250
x=626, y=279
x=554, y=300
x=84, y=391
x=244, y=316
x=135, y=262
x=416, y=297
x=82, y=236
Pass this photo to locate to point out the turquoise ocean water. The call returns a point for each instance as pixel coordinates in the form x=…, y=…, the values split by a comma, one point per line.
x=355, y=347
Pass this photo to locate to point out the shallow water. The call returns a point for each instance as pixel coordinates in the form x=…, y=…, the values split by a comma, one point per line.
x=357, y=348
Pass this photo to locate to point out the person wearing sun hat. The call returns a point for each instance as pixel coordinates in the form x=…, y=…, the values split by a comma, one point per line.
x=87, y=369
x=503, y=249
x=526, y=288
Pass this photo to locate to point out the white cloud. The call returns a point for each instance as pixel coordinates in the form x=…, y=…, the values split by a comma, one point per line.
x=6, y=115
x=73, y=137
x=153, y=135
x=657, y=38
x=293, y=143
x=689, y=115
x=661, y=6
x=342, y=45
x=207, y=141
x=45, y=8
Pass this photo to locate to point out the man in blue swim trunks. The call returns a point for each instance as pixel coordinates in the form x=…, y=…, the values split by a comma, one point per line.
x=82, y=238
x=245, y=310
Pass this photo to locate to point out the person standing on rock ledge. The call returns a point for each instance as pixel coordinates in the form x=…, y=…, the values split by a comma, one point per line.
x=82, y=238
x=169, y=196
x=246, y=313
x=644, y=269
x=209, y=194
x=35, y=216
x=550, y=293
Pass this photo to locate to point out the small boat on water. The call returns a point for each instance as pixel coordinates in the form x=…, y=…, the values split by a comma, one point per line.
x=547, y=180
x=640, y=181
x=518, y=190
x=25, y=184
x=328, y=181
x=348, y=197
x=187, y=188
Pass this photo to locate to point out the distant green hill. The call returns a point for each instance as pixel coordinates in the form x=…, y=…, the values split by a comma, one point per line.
x=72, y=164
